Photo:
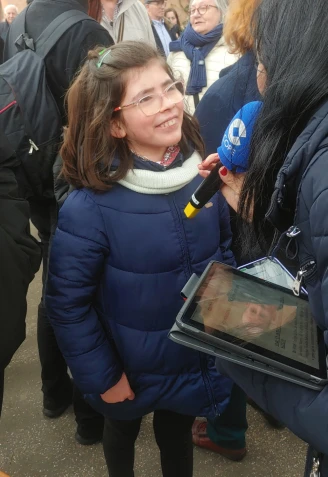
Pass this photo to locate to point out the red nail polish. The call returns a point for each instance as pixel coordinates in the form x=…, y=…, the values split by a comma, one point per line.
x=223, y=171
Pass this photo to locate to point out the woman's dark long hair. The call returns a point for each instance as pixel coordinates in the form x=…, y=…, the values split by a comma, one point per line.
x=175, y=14
x=291, y=38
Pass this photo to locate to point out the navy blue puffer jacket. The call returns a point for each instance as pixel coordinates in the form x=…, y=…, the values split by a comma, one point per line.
x=119, y=260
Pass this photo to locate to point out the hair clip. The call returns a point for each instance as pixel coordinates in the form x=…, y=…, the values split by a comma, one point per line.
x=100, y=62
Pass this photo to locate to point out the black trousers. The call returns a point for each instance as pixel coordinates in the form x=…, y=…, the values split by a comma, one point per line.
x=56, y=383
x=173, y=436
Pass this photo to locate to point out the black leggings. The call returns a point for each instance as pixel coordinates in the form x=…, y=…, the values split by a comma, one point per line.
x=173, y=436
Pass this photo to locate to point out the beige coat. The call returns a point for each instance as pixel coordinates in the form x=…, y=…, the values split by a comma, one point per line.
x=137, y=25
x=216, y=60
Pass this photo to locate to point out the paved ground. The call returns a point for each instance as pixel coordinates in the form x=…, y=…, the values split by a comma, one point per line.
x=32, y=446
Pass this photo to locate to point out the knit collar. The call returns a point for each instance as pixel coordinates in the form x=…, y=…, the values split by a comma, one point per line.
x=162, y=182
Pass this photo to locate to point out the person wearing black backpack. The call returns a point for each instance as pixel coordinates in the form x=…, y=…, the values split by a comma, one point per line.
x=61, y=60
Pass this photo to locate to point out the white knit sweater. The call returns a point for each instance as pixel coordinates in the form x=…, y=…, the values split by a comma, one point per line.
x=162, y=182
x=217, y=59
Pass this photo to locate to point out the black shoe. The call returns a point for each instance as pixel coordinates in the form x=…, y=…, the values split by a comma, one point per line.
x=270, y=419
x=53, y=409
x=88, y=439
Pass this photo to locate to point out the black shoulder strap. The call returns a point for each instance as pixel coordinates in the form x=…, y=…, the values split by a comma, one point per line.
x=56, y=29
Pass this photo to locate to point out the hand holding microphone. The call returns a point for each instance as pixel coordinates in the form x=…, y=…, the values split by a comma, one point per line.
x=229, y=164
x=229, y=183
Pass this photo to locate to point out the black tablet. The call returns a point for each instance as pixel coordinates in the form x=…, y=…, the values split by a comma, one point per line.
x=261, y=321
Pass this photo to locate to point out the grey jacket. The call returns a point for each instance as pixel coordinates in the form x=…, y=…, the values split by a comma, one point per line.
x=137, y=26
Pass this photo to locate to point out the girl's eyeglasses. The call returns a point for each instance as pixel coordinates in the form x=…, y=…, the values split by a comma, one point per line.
x=201, y=10
x=152, y=103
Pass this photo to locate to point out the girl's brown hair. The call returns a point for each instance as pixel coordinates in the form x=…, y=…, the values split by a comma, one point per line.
x=238, y=24
x=89, y=149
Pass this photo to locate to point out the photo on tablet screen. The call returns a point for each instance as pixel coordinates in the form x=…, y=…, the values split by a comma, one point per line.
x=250, y=312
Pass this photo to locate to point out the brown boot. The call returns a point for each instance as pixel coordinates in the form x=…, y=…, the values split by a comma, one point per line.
x=201, y=439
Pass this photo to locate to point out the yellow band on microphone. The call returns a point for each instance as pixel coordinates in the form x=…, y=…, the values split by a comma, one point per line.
x=191, y=211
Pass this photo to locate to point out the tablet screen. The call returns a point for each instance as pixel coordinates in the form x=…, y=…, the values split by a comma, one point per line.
x=270, y=270
x=264, y=318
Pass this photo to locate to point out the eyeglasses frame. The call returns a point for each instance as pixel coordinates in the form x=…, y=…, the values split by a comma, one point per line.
x=192, y=12
x=137, y=103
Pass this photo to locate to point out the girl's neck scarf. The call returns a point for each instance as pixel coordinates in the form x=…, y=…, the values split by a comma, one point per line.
x=196, y=47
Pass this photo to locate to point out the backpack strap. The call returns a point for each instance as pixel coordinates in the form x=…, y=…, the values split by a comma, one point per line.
x=49, y=37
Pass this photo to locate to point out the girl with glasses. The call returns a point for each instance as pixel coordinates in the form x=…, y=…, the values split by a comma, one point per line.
x=201, y=52
x=123, y=250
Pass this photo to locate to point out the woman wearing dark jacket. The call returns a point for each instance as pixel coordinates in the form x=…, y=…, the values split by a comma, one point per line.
x=287, y=185
x=237, y=84
x=236, y=87
x=172, y=17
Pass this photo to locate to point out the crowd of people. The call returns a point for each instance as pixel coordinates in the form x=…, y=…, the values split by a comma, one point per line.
x=143, y=104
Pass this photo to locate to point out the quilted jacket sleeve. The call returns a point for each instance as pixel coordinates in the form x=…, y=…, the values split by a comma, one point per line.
x=78, y=254
x=303, y=411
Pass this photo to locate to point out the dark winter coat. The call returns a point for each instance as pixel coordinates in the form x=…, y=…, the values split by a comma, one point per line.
x=300, y=198
x=158, y=40
x=119, y=260
x=236, y=87
x=20, y=257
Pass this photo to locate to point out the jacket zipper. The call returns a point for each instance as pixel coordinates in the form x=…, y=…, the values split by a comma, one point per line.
x=8, y=107
x=184, y=237
x=202, y=359
x=33, y=147
x=304, y=272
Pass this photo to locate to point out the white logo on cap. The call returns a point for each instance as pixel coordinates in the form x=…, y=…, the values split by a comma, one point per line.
x=240, y=125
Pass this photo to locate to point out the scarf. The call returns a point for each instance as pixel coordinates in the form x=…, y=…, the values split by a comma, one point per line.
x=162, y=182
x=196, y=47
